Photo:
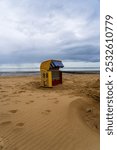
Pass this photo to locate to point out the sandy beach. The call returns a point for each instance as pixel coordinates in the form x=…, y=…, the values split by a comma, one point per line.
x=65, y=117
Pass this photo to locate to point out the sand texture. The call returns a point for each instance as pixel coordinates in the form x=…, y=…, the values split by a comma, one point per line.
x=65, y=117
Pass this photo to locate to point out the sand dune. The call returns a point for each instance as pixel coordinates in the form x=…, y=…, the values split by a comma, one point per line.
x=65, y=117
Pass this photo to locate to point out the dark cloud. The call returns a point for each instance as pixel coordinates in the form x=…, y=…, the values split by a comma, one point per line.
x=87, y=53
x=33, y=30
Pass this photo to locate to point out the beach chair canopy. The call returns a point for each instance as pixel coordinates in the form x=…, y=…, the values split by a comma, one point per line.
x=56, y=64
x=49, y=64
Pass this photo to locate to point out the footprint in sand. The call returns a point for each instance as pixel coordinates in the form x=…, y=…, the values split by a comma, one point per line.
x=4, y=123
x=4, y=96
x=20, y=124
x=21, y=91
x=2, y=91
x=5, y=100
x=56, y=102
x=89, y=110
x=2, y=101
x=29, y=102
x=1, y=143
x=13, y=111
x=6, y=103
x=46, y=112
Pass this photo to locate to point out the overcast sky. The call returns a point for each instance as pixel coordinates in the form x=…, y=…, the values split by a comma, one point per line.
x=35, y=30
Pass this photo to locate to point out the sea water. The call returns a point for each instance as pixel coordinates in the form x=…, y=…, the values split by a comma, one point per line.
x=20, y=71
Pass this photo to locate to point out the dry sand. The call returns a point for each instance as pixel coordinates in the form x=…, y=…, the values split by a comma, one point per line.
x=65, y=117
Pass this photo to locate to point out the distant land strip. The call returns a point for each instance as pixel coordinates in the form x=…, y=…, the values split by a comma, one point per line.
x=28, y=73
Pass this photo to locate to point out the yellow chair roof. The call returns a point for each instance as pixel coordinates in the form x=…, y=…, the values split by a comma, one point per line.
x=45, y=65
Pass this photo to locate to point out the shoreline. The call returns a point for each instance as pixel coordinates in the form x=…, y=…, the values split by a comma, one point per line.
x=35, y=73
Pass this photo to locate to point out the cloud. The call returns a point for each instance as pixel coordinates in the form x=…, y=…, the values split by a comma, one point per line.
x=32, y=30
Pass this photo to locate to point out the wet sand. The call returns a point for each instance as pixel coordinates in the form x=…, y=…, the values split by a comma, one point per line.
x=65, y=117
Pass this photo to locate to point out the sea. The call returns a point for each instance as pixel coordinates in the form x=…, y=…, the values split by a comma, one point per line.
x=36, y=71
